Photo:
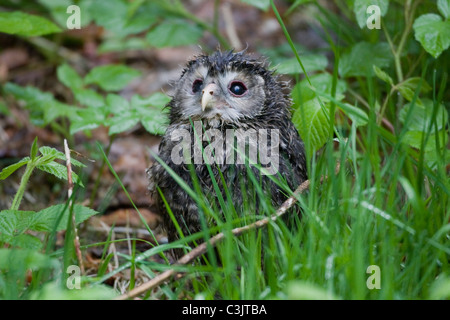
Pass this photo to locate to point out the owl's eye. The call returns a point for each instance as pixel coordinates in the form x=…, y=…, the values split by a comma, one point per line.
x=197, y=85
x=237, y=88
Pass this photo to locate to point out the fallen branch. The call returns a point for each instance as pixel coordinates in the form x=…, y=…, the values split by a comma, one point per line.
x=202, y=248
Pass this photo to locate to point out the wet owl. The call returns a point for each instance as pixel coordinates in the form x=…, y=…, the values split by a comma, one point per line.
x=229, y=128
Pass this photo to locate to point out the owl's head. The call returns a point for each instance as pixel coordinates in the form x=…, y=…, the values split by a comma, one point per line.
x=228, y=86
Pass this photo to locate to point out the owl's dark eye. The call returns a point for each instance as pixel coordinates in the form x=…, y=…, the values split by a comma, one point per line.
x=237, y=88
x=197, y=85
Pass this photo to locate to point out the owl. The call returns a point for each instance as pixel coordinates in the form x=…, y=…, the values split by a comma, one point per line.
x=229, y=128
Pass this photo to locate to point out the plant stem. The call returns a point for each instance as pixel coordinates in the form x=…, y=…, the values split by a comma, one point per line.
x=102, y=166
x=23, y=183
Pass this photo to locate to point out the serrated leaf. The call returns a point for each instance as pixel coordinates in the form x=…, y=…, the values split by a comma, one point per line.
x=24, y=24
x=354, y=62
x=312, y=122
x=413, y=84
x=49, y=217
x=382, y=75
x=432, y=33
x=311, y=62
x=6, y=172
x=59, y=155
x=111, y=77
x=360, y=10
x=59, y=171
x=69, y=77
x=173, y=33
x=25, y=241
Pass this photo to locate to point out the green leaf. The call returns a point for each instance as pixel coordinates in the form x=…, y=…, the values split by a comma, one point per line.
x=421, y=116
x=117, y=104
x=54, y=291
x=322, y=82
x=312, y=122
x=6, y=172
x=25, y=259
x=359, y=60
x=360, y=10
x=174, y=32
x=69, y=77
x=158, y=100
x=4, y=109
x=311, y=62
x=49, y=217
x=111, y=77
x=260, y=4
x=151, y=110
x=34, y=150
x=122, y=122
x=24, y=24
x=358, y=116
x=45, y=151
x=59, y=171
x=88, y=97
x=432, y=33
x=444, y=8
x=382, y=75
x=25, y=241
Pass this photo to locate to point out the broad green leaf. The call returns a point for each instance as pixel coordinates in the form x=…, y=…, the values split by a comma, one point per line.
x=59, y=171
x=111, y=77
x=123, y=122
x=311, y=62
x=432, y=33
x=322, y=82
x=444, y=8
x=158, y=100
x=114, y=16
x=359, y=60
x=421, y=116
x=413, y=84
x=6, y=172
x=25, y=259
x=25, y=241
x=54, y=291
x=382, y=75
x=312, y=122
x=430, y=151
x=122, y=44
x=155, y=122
x=59, y=155
x=260, y=4
x=69, y=77
x=360, y=10
x=24, y=24
x=358, y=116
x=43, y=105
x=174, y=32
x=49, y=217
x=88, y=97
x=117, y=104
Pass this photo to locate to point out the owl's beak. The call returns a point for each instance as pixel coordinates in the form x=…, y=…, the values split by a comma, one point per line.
x=208, y=96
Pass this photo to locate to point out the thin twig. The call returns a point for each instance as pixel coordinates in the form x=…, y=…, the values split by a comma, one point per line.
x=76, y=240
x=202, y=248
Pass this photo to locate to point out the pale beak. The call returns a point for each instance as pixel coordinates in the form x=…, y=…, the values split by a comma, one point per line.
x=208, y=96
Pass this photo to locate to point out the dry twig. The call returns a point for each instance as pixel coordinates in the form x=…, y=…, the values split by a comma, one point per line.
x=202, y=248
